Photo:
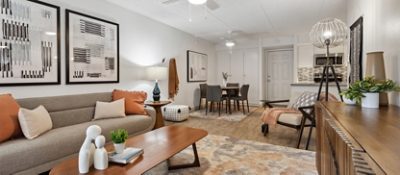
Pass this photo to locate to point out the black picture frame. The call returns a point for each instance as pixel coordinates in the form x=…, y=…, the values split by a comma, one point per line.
x=190, y=78
x=58, y=53
x=67, y=48
x=356, y=51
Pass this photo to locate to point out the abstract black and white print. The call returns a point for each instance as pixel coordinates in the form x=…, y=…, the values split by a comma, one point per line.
x=356, y=52
x=197, y=64
x=29, y=43
x=92, y=49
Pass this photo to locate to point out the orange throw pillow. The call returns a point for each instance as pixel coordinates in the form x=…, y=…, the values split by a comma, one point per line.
x=10, y=107
x=6, y=127
x=134, y=101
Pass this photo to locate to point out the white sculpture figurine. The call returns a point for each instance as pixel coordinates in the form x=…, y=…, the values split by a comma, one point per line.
x=87, y=150
x=100, y=155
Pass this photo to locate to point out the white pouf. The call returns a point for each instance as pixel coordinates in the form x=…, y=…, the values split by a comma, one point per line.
x=176, y=113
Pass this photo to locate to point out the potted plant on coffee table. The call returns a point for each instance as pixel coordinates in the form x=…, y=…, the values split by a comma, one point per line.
x=368, y=90
x=119, y=137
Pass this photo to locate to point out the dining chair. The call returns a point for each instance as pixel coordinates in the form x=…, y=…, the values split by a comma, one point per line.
x=203, y=93
x=214, y=94
x=244, y=92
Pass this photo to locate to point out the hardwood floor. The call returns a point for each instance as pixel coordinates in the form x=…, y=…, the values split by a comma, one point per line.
x=250, y=129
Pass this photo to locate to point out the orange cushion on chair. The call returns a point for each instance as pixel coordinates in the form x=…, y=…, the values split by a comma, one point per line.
x=134, y=101
x=9, y=108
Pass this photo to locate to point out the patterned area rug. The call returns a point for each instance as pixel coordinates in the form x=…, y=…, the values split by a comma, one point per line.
x=236, y=116
x=229, y=156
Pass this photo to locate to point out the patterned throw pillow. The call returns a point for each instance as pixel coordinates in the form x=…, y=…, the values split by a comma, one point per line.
x=305, y=99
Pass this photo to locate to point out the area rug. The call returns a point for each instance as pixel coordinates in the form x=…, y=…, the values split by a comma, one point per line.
x=230, y=156
x=236, y=116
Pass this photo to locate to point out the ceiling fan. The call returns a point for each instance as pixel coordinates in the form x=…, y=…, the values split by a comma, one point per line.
x=210, y=4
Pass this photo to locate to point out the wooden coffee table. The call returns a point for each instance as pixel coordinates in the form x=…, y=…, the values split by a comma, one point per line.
x=159, y=145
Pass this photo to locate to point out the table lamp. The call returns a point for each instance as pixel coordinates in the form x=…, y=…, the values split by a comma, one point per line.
x=156, y=73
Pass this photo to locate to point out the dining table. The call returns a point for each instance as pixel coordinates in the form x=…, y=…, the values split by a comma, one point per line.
x=228, y=89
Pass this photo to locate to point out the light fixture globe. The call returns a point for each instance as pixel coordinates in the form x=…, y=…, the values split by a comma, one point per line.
x=197, y=2
x=329, y=31
x=230, y=43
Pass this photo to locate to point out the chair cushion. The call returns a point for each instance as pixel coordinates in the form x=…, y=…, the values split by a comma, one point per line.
x=290, y=118
x=61, y=142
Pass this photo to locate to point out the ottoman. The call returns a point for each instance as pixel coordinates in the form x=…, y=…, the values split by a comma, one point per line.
x=176, y=113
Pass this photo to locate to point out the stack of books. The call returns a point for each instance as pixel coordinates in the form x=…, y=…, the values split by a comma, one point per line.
x=129, y=155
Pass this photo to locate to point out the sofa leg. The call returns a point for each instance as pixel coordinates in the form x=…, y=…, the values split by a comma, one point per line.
x=264, y=129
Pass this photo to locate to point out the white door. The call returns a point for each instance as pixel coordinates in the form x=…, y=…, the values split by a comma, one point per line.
x=279, y=74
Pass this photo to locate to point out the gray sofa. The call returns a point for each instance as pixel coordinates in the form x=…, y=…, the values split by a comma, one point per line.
x=71, y=115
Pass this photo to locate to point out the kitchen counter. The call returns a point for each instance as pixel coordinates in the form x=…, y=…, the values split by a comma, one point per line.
x=317, y=84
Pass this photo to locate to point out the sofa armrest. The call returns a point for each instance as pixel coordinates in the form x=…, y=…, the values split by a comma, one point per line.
x=152, y=113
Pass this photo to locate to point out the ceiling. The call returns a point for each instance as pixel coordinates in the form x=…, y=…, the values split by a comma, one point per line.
x=245, y=18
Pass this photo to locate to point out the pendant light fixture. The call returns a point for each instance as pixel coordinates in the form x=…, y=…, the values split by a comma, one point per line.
x=197, y=2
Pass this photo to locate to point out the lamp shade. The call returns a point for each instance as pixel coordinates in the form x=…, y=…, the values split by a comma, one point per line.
x=330, y=28
x=375, y=65
x=157, y=73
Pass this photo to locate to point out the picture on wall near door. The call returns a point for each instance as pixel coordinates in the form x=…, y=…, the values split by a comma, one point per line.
x=356, y=52
x=92, y=49
x=29, y=43
x=196, y=66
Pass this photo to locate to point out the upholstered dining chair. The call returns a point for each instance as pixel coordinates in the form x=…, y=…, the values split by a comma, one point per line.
x=203, y=93
x=244, y=92
x=214, y=95
x=304, y=104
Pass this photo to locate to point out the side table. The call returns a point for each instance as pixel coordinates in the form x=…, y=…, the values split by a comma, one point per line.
x=157, y=106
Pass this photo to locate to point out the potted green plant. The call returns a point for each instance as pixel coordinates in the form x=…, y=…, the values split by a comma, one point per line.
x=119, y=137
x=352, y=96
x=367, y=91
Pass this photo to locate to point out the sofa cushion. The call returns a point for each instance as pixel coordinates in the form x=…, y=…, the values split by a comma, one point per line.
x=21, y=154
x=115, y=109
x=69, y=109
x=6, y=126
x=34, y=122
x=134, y=101
x=10, y=106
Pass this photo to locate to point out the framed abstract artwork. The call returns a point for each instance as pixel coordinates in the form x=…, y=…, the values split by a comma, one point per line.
x=92, y=49
x=29, y=43
x=196, y=66
x=356, y=51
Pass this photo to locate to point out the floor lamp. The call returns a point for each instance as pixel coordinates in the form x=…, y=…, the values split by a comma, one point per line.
x=328, y=33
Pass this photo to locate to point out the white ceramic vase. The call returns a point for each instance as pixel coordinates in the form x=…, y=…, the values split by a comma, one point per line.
x=371, y=100
x=348, y=101
x=119, y=148
x=224, y=82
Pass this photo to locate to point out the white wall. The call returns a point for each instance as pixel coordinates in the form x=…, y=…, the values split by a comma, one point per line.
x=381, y=32
x=143, y=42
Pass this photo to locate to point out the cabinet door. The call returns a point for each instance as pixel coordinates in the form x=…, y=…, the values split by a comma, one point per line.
x=252, y=74
x=223, y=61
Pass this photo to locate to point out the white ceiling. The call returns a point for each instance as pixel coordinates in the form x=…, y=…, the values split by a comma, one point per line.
x=244, y=17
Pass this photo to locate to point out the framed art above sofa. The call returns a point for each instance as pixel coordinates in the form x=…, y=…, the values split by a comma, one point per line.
x=92, y=49
x=30, y=43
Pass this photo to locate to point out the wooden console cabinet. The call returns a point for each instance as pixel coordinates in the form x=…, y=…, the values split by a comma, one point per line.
x=352, y=140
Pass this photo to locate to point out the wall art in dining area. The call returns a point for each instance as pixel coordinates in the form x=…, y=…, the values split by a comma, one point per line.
x=29, y=43
x=197, y=64
x=92, y=49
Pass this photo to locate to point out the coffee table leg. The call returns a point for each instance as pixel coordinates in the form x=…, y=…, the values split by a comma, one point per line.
x=196, y=162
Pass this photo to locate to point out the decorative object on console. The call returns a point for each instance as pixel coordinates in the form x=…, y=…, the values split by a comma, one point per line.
x=367, y=91
x=376, y=68
x=100, y=154
x=92, y=49
x=173, y=79
x=86, y=153
x=328, y=33
x=197, y=66
x=119, y=137
x=30, y=46
x=115, y=109
x=356, y=51
x=157, y=73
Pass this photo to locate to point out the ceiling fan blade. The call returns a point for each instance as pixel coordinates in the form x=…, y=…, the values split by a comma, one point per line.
x=212, y=5
x=167, y=2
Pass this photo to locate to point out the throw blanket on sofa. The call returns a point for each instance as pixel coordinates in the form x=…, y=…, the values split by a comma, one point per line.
x=270, y=115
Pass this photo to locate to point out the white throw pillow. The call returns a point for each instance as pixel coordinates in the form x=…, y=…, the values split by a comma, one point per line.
x=34, y=122
x=115, y=109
